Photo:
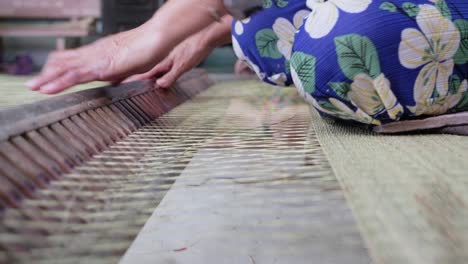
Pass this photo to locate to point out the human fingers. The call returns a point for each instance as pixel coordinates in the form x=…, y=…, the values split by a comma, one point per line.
x=185, y=59
x=168, y=79
x=68, y=79
x=157, y=71
x=57, y=64
x=46, y=76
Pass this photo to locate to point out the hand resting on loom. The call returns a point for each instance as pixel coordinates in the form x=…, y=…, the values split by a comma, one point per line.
x=188, y=54
x=117, y=57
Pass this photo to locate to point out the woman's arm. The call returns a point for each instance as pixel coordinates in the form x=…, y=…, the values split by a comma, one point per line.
x=189, y=54
x=116, y=57
x=218, y=34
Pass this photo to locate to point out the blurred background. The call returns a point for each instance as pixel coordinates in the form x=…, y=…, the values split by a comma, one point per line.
x=31, y=29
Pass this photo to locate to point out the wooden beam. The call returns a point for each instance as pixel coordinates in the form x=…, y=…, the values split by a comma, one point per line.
x=50, y=8
x=445, y=123
x=21, y=119
x=79, y=28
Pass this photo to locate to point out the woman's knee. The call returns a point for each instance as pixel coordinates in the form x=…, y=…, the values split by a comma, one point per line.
x=412, y=61
x=264, y=41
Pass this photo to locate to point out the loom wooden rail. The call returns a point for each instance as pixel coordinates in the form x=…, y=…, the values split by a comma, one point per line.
x=40, y=142
x=450, y=124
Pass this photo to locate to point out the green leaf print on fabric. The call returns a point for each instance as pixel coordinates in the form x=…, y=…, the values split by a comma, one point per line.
x=340, y=88
x=461, y=57
x=387, y=6
x=462, y=105
x=282, y=3
x=266, y=41
x=454, y=84
x=444, y=9
x=357, y=54
x=329, y=106
x=287, y=66
x=410, y=9
x=267, y=3
x=304, y=66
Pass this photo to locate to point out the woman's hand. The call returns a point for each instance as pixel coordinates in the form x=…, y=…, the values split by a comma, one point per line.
x=109, y=59
x=183, y=58
x=188, y=54
x=116, y=57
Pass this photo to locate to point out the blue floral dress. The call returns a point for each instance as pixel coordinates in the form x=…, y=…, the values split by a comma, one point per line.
x=369, y=61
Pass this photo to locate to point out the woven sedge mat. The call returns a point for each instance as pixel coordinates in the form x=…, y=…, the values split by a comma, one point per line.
x=14, y=91
x=235, y=175
x=260, y=190
x=409, y=192
x=92, y=214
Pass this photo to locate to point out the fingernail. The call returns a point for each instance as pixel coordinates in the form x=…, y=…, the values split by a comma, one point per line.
x=48, y=88
x=161, y=83
x=31, y=83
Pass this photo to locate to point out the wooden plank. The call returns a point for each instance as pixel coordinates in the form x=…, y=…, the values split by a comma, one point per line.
x=50, y=8
x=39, y=157
x=91, y=143
x=49, y=30
x=431, y=123
x=41, y=142
x=31, y=169
x=81, y=147
x=17, y=178
x=113, y=118
x=18, y=120
x=65, y=163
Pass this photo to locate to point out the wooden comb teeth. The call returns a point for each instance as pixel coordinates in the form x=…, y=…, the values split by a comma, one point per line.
x=40, y=142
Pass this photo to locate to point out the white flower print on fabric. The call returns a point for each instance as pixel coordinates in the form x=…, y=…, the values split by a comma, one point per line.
x=279, y=79
x=339, y=109
x=286, y=30
x=433, y=49
x=374, y=96
x=325, y=14
x=239, y=26
x=334, y=107
x=441, y=105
